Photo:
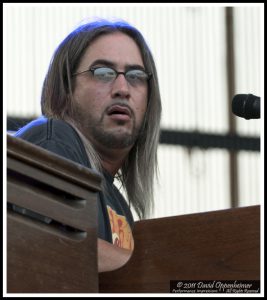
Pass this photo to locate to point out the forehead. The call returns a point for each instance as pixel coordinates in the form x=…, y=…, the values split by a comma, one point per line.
x=117, y=47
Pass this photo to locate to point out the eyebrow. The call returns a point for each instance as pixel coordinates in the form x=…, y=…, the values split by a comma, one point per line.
x=113, y=65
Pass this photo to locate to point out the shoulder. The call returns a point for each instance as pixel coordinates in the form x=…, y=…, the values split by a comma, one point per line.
x=56, y=136
x=44, y=128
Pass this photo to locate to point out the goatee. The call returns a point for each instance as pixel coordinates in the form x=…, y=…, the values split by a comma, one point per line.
x=113, y=139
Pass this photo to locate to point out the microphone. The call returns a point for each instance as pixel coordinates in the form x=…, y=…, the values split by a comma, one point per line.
x=246, y=106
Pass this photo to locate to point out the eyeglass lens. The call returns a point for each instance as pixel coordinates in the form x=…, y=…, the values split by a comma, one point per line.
x=107, y=74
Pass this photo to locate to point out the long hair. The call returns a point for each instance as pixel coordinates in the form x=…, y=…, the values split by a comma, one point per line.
x=139, y=171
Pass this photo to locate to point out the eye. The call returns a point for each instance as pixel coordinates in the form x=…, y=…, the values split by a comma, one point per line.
x=136, y=75
x=104, y=74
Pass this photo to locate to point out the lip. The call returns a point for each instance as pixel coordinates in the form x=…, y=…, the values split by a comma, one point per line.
x=120, y=117
x=120, y=113
x=118, y=110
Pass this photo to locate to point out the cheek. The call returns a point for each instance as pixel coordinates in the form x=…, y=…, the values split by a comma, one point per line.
x=141, y=106
x=141, y=110
x=98, y=96
x=89, y=98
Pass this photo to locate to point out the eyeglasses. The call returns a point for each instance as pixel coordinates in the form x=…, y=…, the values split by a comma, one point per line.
x=106, y=75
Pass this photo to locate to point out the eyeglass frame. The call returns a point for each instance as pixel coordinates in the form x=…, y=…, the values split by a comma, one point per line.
x=93, y=69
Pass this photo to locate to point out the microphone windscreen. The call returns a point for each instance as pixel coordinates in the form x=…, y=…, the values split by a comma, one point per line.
x=238, y=104
x=246, y=106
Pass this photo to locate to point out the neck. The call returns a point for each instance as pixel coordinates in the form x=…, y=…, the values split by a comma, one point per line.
x=112, y=160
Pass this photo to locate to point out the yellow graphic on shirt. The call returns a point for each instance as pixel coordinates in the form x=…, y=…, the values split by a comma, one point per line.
x=121, y=231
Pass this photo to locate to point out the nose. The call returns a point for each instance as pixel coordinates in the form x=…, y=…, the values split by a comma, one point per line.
x=120, y=87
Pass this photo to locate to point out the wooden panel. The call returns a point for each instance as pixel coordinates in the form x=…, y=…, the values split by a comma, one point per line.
x=74, y=212
x=218, y=245
x=43, y=258
x=51, y=222
x=52, y=163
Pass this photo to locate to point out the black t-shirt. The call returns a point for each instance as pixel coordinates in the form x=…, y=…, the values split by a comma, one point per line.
x=114, y=216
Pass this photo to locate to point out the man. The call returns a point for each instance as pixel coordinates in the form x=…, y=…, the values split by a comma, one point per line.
x=102, y=108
